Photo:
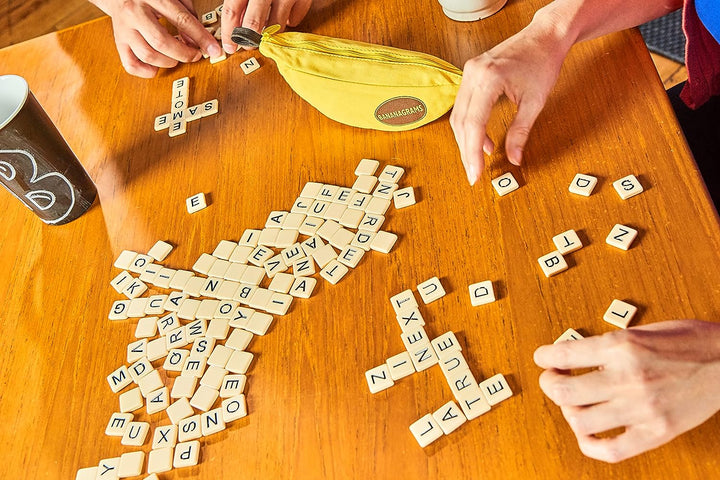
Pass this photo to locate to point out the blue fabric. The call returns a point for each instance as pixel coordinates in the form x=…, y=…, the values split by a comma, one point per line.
x=709, y=13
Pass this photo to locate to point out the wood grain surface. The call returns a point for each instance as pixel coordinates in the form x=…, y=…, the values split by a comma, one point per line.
x=311, y=415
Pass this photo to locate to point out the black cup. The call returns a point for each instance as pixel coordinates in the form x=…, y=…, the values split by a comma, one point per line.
x=36, y=164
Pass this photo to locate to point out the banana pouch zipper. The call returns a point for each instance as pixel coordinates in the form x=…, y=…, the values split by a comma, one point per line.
x=360, y=84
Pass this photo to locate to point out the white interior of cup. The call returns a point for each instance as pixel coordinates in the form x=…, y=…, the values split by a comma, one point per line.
x=13, y=93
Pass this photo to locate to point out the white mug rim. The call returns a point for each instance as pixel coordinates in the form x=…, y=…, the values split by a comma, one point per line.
x=21, y=99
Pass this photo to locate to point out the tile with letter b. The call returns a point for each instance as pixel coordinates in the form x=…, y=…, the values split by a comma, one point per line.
x=552, y=263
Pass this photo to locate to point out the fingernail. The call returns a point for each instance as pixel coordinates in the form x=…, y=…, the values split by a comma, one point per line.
x=229, y=49
x=214, y=50
x=515, y=156
x=197, y=56
x=471, y=175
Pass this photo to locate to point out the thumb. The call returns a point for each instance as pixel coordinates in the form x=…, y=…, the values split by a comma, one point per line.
x=519, y=130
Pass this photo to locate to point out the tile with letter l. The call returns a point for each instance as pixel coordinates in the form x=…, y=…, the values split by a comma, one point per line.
x=426, y=430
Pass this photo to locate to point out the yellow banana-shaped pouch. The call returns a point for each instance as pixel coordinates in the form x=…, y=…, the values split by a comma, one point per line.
x=360, y=84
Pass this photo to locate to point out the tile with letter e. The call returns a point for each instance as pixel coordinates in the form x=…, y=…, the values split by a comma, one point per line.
x=196, y=203
x=496, y=389
x=620, y=313
x=426, y=430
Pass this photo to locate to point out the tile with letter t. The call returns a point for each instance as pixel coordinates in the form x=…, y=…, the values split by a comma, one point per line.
x=567, y=242
x=426, y=430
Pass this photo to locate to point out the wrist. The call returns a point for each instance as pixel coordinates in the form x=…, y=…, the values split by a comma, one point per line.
x=553, y=30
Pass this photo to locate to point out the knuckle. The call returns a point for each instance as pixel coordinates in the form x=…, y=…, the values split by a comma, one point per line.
x=253, y=23
x=230, y=12
x=184, y=19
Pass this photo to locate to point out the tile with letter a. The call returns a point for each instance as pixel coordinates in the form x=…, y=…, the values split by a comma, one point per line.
x=568, y=335
x=496, y=389
x=303, y=287
x=628, y=187
x=552, y=263
x=620, y=313
x=431, y=290
x=567, y=242
x=250, y=65
x=583, y=184
x=449, y=417
x=426, y=430
x=481, y=293
x=621, y=237
x=505, y=184
x=379, y=378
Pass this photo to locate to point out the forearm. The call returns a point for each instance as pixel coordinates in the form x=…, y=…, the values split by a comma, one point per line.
x=573, y=21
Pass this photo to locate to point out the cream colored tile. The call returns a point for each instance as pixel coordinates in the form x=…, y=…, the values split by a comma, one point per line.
x=202, y=347
x=371, y=222
x=505, y=184
x=137, y=350
x=136, y=434
x=233, y=384
x=156, y=349
x=260, y=255
x=351, y=218
x=311, y=190
x=568, y=335
x=253, y=275
x=318, y=208
x=204, y=263
x=194, y=285
x=158, y=400
x=324, y=255
x=239, y=339
x=327, y=192
x=552, y=263
x=620, y=313
x=343, y=195
x=188, y=429
x=224, y=249
x=365, y=183
x=415, y=338
x=276, y=219
x=378, y=378
x=241, y=254
x=496, y=389
x=121, y=281
x=207, y=309
x=363, y=239
x=119, y=379
x=239, y=361
x=107, y=469
x=226, y=309
x=404, y=197
x=302, y=206
x=218, y=328
x=310, y=226
x=211, y=287
x=211, y=107
x=423, y=357
x=240, y=317
x=341, y=238
x=187, y=454
x=481, y=293
x=259, y=323
x=391, y=174
x=194, y=366
x=293, y=253
x=403, y=301
x=135, y=288
x=583, y=184
x=385, y=191
x=118, y=424
x=176, y=128
x=282, y=282
x=426, y=430
x=213, y=377
x=452, y=364
x=359, y=201
x=188, y=309
x=366, y=166
x=250, y=238
x=184, y=387
x=234, y=408
x=303, y=287
x=141, y=368
x=150, y=382
x=328, y=229
x=125, y=259
x=160, y=250
x=161, y=122
x=131, y=401
x=274, y=265
x=567, y=242
x=383, y=241
x=246, y=292
x=410, y=319
x=473, y=403
x=174, y=300
x=250, y=65
x=459, y=381
x=175, y=360
x=377, y=206
x=449, y=417
x=350, y=256
x=235, y=271
x=400, y=366
x=621, y=237
x=196, y=202
x=445, y=345
x=628, y=187
x=311, y=245
x=139, y=263
x=164, y=436
x=279, y=303
x=204, y=398
x=335, y=211
x=212, y=422
x=160, y=460
x=137, y=307
x=334, y=271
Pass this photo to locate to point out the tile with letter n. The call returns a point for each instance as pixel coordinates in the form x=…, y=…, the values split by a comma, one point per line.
x=250, y=65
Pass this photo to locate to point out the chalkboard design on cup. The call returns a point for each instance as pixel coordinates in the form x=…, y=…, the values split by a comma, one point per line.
x=42, y=192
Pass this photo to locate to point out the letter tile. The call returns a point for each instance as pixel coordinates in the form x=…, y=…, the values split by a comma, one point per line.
x=377, y=206
x=197, y=202
x=204, y=263
x=194, y=286
x=400, y=366
x=366, y=166
x=180, y=279
x=324, y=255
x=156, y=349
x=621, y=237
x=107, y=468
x=213, y=377
x=121, y=281
x=175, y=360
x=426, y=430
x=445, y=345
x=410, y=318
x=218, y=328
x=363, y=239
x=239, y=362
x=150, y=382
x=282, y=283
x=274, y=265
x=496, y=389
x=202, y=347
x=311, y=245
x=567, y=242
x=311, y=190
x=160, y=250
x=239, y=339
x=310, y=226
x=449, y=417
x=473, y=402
x=233, y=384
x=158, y=400
x=212, y=422
x=188, y=309
x=404, y=197
x=125, y=259
x=552, y=263
x=341, y=238
x=481, y=293
x=139, y=263
x=383, y=241
x=165, y=436
x=385, y=191
x=568, y=335
x=136, y=434
x=250, y=238
x=303, y=287
x=135, y=288
x=137, y=350
x=259, y=323
x=628, y=187
x=119, y=379
x=184, y=387
x=188, y=429
x=379, y=378
x=359, y=201
x=583, y=184
x=204, y=398
x=250, y=65
x=187, y=454
x=140, y=368
x=160, y=460
x=505, y=184
x=365, y=183
x=431, y=290
x=403, y=301
x=335, y=212
x=620, y=313
x=371, y=222
x=334, y=271
x=234, y=408
x=423, y=357
x=391, y=174
x=118, y=424
x=351, y=218
x=130, y=401
x=260, y=255
x=350, y=256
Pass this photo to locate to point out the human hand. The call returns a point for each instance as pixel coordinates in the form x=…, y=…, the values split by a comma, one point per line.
x=656, y=381
x=256, y=14
x=524, y=68
x=145, y=45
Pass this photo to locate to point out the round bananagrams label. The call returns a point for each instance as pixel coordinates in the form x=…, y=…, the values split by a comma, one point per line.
x=400, y=111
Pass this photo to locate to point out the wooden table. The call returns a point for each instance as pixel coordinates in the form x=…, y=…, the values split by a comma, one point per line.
x=311, y=415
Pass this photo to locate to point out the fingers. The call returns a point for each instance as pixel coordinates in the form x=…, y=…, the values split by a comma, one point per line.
x=634, y=441
x=584, y=353
x=232, y=16
x=279, y=14
x=187, y=23
x=519, y=130
x=133, y=65
x=298, y=12
x=256, y=14
x=568, y=390
x=593, y=419
x=160, y=40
